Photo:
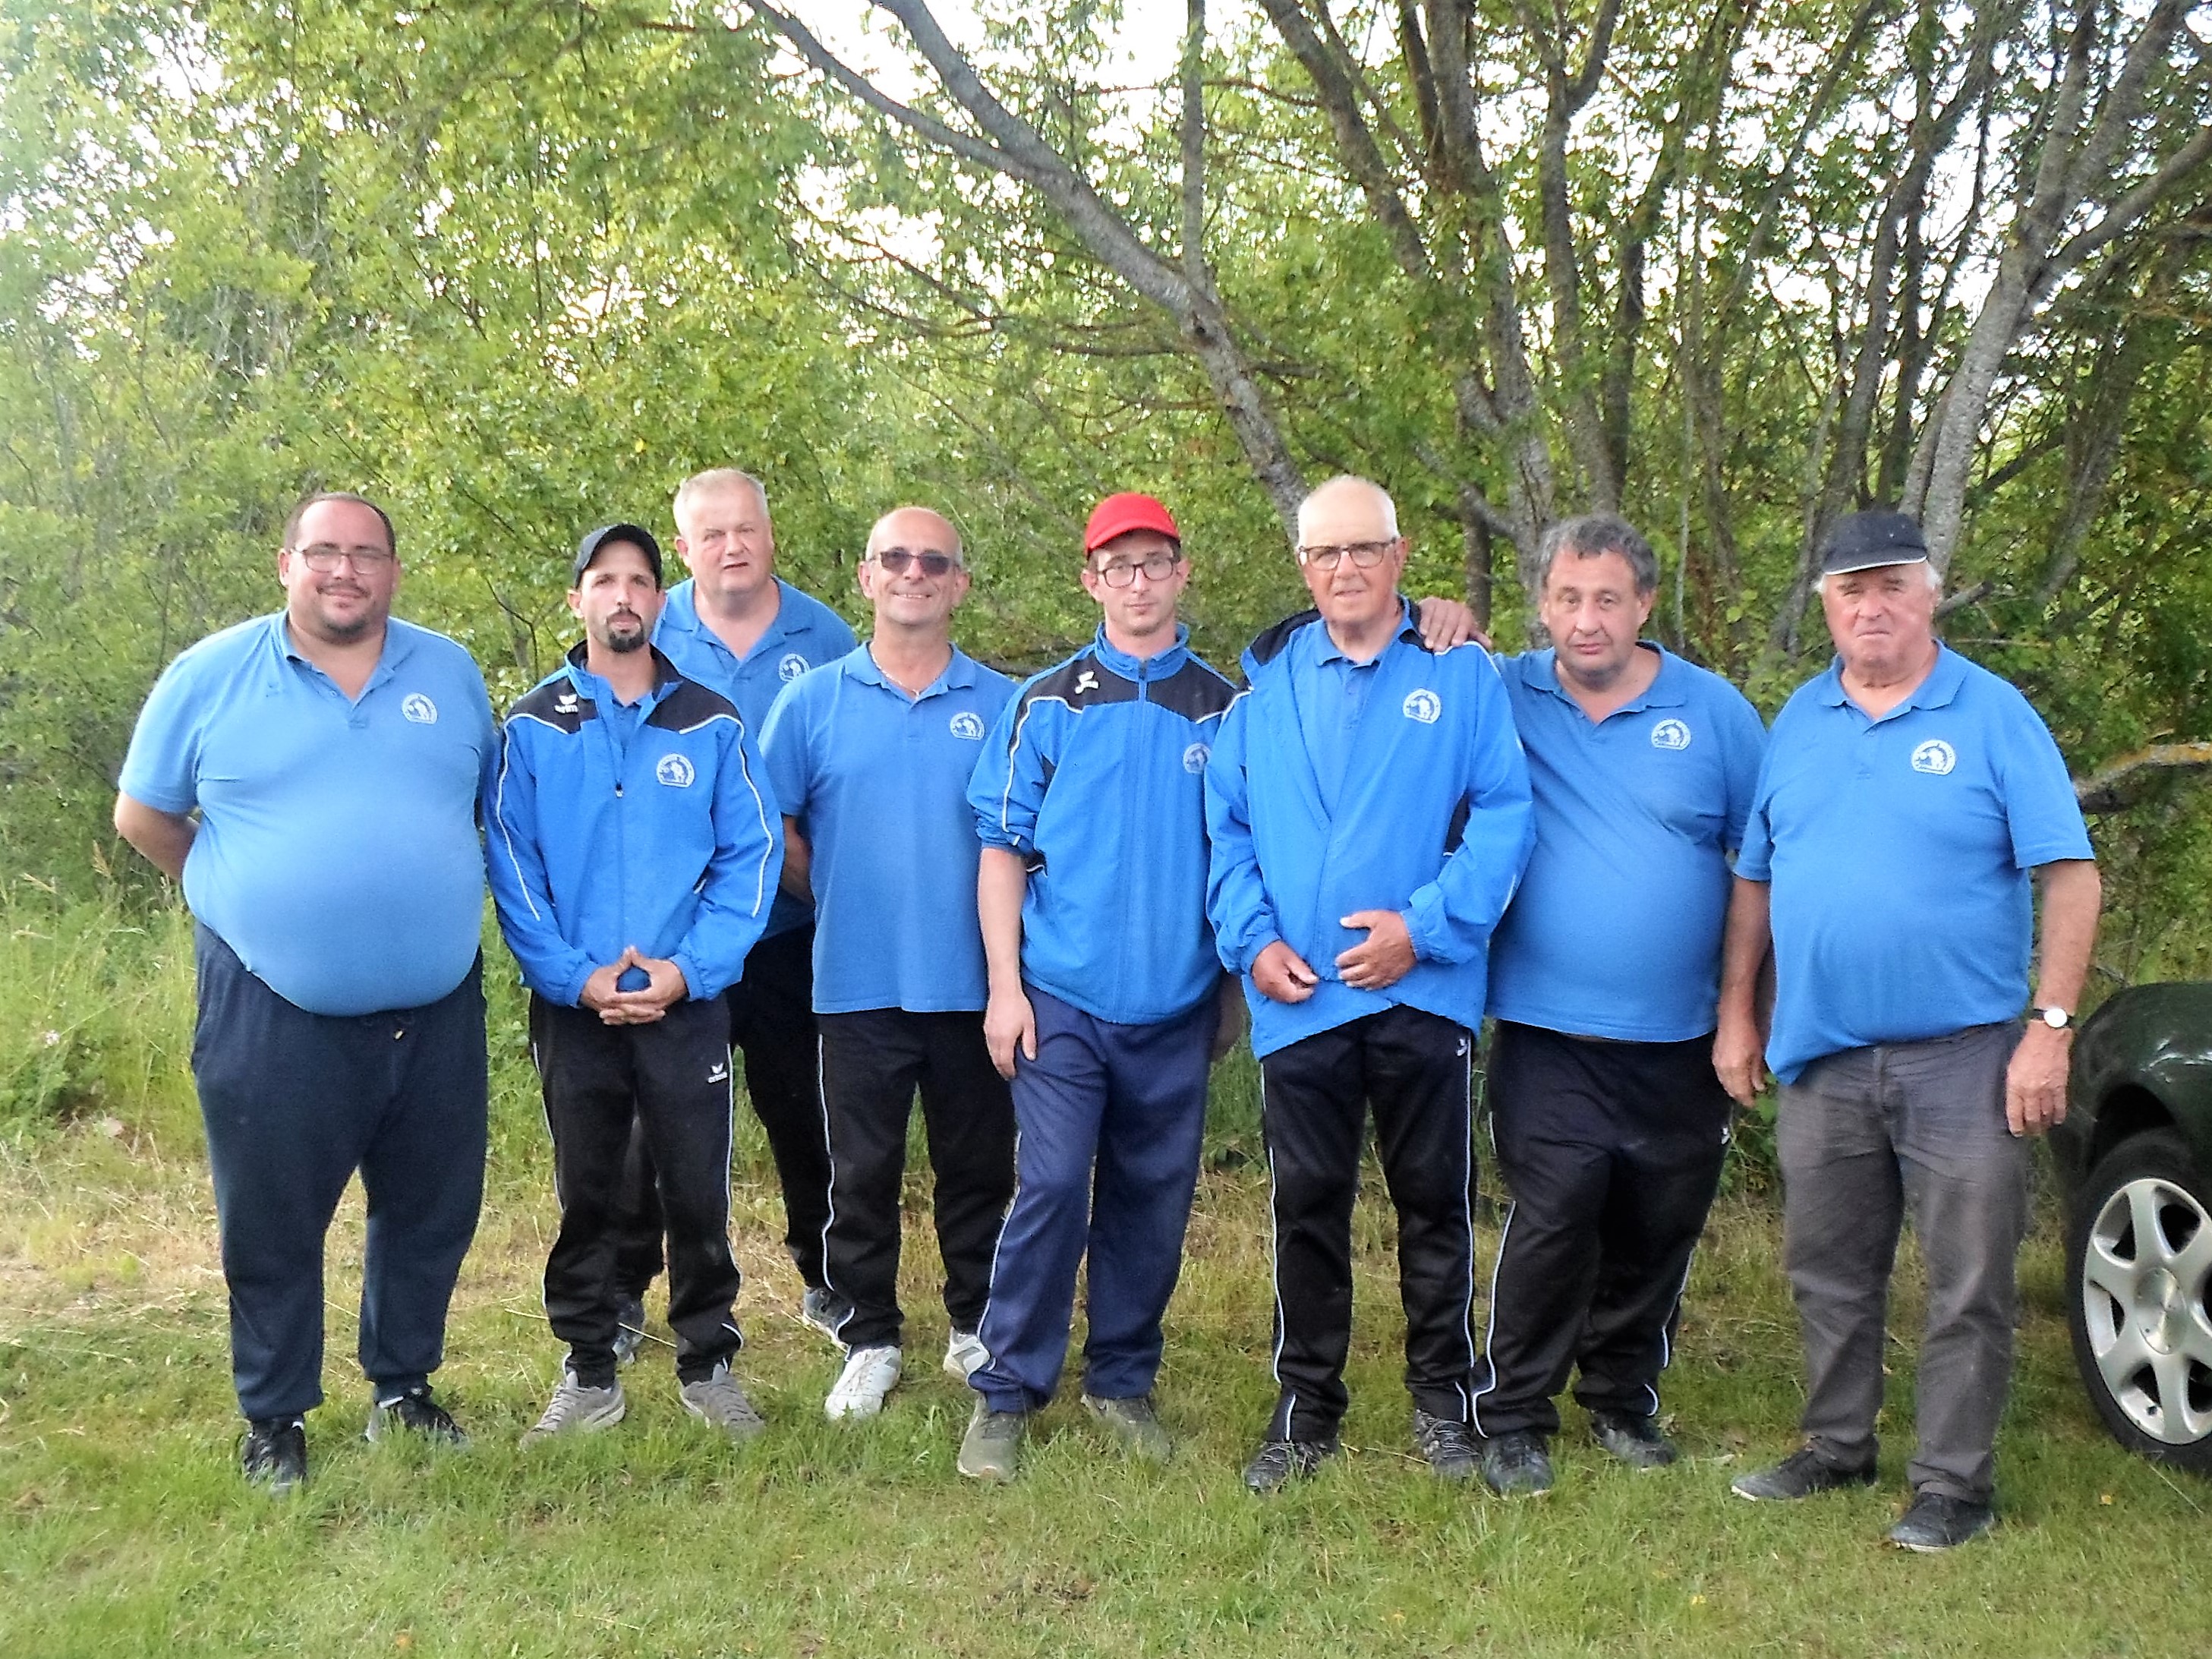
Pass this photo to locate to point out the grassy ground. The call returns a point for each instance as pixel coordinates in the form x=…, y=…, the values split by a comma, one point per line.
x=126, y=1530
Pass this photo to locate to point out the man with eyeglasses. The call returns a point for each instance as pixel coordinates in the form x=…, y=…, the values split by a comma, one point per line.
x=1369, y=808
x=737, y=628
x=336, y=758
x=1107, y=1002
x=870, y=758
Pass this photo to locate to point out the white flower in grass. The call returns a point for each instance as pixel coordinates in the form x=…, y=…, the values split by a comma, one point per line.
x=52, y=1038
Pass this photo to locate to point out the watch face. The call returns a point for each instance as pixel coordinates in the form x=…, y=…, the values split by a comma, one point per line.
x=2055, y=1018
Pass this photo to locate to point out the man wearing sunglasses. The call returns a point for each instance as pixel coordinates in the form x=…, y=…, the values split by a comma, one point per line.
x=335, y=757
x=738, y=627
x=870, y=757
x=1369, y=807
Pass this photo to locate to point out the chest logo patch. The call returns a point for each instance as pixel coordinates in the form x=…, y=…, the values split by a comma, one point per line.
x=1423, y=706
x=675, y=771
x=968, y=725
x=1670, y=734
x=1195, y=757
x=419, y=708
x=792, y=666
x=1934, y=756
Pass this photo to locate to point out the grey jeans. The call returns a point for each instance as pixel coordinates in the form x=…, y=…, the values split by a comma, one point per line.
x=1866, y=1136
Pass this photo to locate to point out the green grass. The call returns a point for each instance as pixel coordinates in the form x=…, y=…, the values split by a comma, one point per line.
x=124, y=1529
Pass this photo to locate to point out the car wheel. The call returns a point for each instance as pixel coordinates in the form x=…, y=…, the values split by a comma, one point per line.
x=2140, y=1264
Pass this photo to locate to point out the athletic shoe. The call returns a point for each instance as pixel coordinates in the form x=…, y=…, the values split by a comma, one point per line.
x=1448, y=1444
x=1937, y=1521
x=869, y=1374
x=717, y=1399
x=575, y=1409
x=275, y=1454
x=1633, y=1438
x=965, y=1355
x=1133, y=1425
x=629, y=1329
x=417, y=1412
x=1801, y=1475
x=992, y=1443
x=825, y=1310
x=1278, y=1462
x=1517, y=1465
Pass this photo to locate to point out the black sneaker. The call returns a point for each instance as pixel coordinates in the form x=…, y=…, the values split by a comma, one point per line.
x=1449, y=1446
x=629, y=1329
x=1278, y=1462
x=1801, y=1475
x=1937, y=1521
x=417, y=1412
x=1517, y=1464
x=275, y=1454
x=1633, y=1438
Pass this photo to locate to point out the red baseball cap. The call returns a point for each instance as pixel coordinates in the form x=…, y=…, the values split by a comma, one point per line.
x=1117, y=515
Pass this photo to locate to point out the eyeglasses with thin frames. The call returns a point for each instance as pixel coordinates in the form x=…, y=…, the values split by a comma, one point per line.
x=324, y=557
x=1365, y=555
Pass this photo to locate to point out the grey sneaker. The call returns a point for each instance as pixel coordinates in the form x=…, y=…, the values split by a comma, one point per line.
x=825, y=1310
x=717, y=1399
x=275, y=1454
x=416, y=1412
x=1937, y=1521
x=575, y=1409
x=1801, y=1475
x=993, y=1443
x=1133, y=1425
x=965, y=1355
x=629, y=1329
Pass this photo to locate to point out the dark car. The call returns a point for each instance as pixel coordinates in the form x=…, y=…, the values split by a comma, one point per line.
x=2134, y=1153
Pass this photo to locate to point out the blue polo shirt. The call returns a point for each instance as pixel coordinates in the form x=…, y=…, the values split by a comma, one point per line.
x=879, y=782
x=805, y=634
x=337, y=851
x=1615, y=931
x=1899, y=852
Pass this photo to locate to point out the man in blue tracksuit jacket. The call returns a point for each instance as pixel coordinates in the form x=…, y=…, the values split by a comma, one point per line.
x=634, y=855
x=1369, y=806
x=1106, y=1000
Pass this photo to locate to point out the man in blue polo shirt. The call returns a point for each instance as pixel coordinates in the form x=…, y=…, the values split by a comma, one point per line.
x=870, y=757
x=738, y=627
x=1610, y=1122
x=635, y=856
x=1107, y=1001
x=1369, y=809
x=1907, y=796
x=335, y=757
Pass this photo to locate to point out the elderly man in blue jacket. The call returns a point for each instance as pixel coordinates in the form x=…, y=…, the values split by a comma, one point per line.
x=635, y=857
x=1369, y=806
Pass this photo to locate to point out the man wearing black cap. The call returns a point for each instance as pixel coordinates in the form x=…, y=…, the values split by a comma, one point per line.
x=635, y=856
x=1906, y=797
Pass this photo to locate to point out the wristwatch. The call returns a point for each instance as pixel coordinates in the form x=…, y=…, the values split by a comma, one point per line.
x=2055, y=1018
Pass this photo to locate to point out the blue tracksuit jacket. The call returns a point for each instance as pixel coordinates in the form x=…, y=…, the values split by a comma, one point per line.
x=670, y=841
x=1095, y=773
x=1431, y=817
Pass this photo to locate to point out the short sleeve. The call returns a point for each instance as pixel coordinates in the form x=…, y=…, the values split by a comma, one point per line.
x=162, y=768
x=784, y=743
x=2041, y=810
x=1745, y=748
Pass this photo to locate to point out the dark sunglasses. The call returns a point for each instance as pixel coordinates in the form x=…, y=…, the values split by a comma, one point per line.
x=900, y=560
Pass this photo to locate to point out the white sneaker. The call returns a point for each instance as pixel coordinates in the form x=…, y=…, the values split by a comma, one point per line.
x=869, y=1374
x=965, y=1355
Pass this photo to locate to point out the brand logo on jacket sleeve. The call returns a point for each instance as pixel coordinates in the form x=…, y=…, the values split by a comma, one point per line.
x=968, y=725
x=1670, y=734
x=675, y=771
x=1424, y=706
x=792, y=666
x=1936, y=756
x=419, y=708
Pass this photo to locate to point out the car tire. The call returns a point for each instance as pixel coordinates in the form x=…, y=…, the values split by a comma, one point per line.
x=2139, y=1272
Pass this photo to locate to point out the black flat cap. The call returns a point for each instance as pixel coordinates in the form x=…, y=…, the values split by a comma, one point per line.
x=1864, y=541
x=637, y=535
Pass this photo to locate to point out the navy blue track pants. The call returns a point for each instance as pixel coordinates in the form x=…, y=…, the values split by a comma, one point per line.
x=1109, y=1119
x=294, y=1103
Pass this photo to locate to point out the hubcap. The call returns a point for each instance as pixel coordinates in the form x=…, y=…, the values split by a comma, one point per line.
x=2147, y=1295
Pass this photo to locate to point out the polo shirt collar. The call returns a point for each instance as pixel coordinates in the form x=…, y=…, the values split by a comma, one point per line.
x=1409, y=633
x=1539, y=672
x=398, y=646
x=1156, y=666
x=1936, y=692
x=681, y=614
x=959, y=674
